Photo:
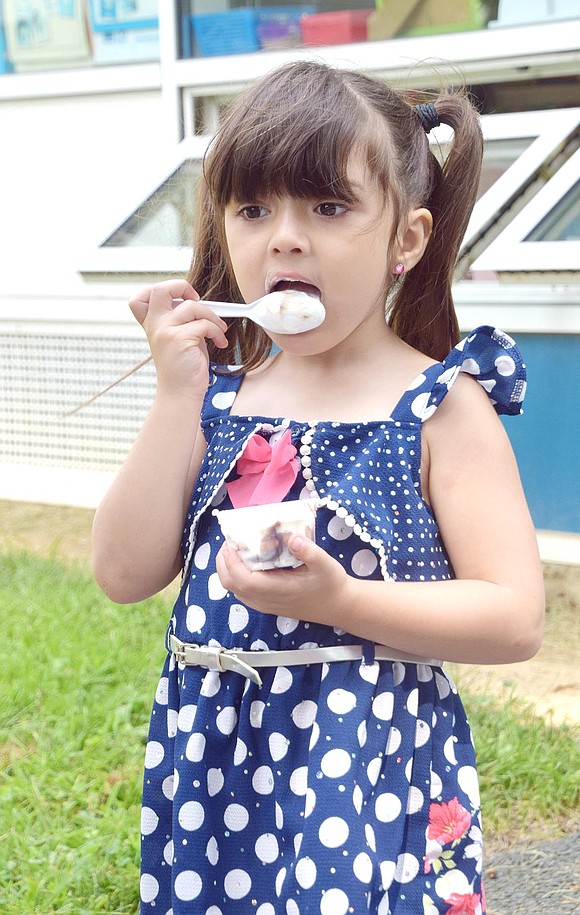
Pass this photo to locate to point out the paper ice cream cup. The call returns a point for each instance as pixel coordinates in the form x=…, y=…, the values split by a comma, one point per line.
x=260, y=533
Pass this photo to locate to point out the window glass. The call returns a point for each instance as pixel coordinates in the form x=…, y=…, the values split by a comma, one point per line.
x=203, y=114
x=48, y=35
x=498, y=155
x=166, y=219
x=563, y=222
x=216, y=27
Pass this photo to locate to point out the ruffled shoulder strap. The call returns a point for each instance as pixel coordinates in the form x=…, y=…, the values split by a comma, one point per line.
x=224, y=383
x=490, y=356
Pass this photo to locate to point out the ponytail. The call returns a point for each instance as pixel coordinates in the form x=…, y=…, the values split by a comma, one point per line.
x=421, y=308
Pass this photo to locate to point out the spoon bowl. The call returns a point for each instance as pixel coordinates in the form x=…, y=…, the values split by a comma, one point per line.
x=288, y=311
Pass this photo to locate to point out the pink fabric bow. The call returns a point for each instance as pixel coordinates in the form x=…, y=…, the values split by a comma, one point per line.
x=266, y=472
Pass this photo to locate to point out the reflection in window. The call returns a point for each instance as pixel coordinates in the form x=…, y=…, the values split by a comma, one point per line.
x=46, y=34
x=216, y=27
x=205, y=114
x=166, y=219
x=498, y=155
x=563, y=222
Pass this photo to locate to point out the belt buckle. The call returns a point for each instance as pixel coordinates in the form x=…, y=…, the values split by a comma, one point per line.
x=179, y=648
x=189, y=653
x=210, y=657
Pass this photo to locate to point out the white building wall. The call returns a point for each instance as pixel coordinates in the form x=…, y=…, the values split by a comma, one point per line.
x=68, y=166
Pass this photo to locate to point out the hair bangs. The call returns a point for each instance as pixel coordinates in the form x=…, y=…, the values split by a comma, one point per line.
x=294, y=138
x=299, y=160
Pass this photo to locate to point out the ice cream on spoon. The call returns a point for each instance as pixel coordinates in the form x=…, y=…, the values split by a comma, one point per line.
x=285, y=311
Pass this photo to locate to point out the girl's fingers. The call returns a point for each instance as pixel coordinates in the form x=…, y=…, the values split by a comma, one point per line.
x=206, y=329
x=139, y=305
x=174, y=303
x=186, y=311
x=159, y=299
x=163, y=295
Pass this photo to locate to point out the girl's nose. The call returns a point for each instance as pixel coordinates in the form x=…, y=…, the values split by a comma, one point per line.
x=289, y=234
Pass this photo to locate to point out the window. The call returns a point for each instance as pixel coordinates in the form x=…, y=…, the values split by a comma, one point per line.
x=563, y=222
x=155, y=238
x=526, y=217
x=543, y=238
x=166, y=218
x=513, y=205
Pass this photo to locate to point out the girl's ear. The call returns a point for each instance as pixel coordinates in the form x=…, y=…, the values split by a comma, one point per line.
x=411, y=243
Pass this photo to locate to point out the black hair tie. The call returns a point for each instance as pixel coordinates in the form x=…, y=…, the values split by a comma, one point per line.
x=428, y=114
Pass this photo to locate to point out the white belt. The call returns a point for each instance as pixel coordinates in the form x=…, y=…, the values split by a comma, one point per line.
x=245, y=662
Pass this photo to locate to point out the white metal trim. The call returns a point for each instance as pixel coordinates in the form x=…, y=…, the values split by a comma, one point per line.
x=76, y=317
x=510, y=252
x=102, y=308
x=551, y=130
x=517, y=53
x=140, y=260
x=95, y=80
x=530, y=308
x=170, y=93
x=559, y=547
x=53, y=485
x=523, y=52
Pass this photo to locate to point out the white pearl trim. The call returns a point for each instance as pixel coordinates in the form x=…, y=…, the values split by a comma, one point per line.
x=305, y=452
x=334, y=505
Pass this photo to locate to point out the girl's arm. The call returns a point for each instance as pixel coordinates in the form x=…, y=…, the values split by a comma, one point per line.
x=491, y=613
x=138, y=526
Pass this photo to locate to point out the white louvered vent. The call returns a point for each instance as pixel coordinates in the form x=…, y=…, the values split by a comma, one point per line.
x=44, y=376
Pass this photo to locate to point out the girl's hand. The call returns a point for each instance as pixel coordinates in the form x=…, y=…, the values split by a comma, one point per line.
x=317, y=591
x=177, y=327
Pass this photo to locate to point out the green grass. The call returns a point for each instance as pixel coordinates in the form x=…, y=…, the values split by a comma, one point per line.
x=529, y=769
x=78, y=675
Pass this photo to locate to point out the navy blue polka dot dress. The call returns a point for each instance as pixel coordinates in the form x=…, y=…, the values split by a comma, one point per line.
x=335, y=788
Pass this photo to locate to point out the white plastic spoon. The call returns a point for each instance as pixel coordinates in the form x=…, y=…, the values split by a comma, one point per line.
x=288, y=311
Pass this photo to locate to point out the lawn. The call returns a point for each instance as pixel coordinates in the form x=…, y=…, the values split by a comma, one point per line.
x=78, y=675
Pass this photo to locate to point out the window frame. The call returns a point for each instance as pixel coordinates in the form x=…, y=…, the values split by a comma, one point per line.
x=509, y=252
x=495, y=237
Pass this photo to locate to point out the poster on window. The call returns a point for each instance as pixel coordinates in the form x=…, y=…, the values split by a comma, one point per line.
x=46, y=33
x=123, y=14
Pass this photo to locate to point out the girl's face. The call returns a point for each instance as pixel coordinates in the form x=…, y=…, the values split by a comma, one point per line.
x=336, y=249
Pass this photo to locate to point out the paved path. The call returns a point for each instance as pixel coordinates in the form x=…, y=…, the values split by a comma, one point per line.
x=543, y=879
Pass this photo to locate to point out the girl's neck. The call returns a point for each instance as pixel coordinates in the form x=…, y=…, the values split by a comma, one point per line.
x=343, y=384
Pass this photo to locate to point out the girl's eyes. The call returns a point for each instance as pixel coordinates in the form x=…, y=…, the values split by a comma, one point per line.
x=331, y=209
x=252, y=211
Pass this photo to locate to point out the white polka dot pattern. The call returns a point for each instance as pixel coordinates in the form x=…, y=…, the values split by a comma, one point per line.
x=325, y=791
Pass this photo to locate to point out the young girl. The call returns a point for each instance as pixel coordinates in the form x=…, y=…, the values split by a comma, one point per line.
x=307, y=752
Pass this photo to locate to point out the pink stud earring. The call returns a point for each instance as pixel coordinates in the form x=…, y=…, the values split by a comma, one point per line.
x=399, y=269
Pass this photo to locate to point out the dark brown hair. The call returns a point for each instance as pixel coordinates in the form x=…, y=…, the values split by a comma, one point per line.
x=293, y=132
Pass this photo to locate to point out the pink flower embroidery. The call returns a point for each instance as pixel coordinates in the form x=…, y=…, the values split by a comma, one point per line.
x=448, y=822
x=463, y=904
x=266, y=472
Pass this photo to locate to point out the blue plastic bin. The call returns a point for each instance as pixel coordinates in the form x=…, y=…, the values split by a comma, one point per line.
x=229, y=32
x=244, y=30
